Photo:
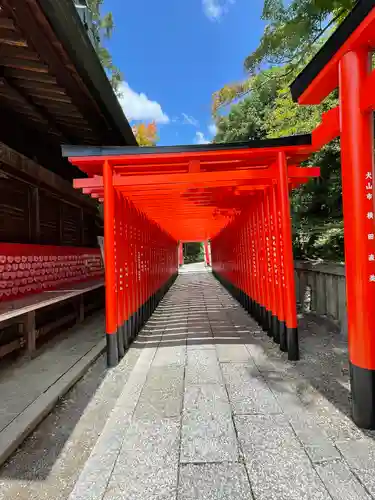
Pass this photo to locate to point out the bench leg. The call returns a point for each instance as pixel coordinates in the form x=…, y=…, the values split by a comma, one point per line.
x=30, y=332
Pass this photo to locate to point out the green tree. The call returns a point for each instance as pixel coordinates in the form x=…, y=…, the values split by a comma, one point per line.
x=293, y=29
x=269, y=112
x=245, y=119
x=293, y=34
x=103, y=26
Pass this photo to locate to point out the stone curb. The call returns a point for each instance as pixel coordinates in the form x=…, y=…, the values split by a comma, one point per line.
x=16, y=432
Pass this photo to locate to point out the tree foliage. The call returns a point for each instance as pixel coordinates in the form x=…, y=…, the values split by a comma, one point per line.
x=193, y=252
x=293, y=34
x=103, y=26
x=292, y=29
x=269, y=112
x=145, y=133
x=245, y=120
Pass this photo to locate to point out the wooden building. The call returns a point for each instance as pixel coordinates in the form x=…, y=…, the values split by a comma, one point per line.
x=53, y=90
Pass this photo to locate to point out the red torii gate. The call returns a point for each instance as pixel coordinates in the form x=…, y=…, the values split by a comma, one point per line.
x=163, y=195
x=345, y=62
x=237, y=196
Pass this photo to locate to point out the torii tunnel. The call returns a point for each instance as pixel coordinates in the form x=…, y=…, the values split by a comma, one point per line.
x=237, y=196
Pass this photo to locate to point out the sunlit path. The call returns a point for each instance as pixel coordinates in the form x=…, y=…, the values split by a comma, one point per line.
x=211, y=409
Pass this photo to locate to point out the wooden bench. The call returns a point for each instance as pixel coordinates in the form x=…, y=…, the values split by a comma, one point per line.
x=24, y=310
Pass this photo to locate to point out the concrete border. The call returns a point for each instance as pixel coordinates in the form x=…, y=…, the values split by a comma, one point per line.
x=16, y=432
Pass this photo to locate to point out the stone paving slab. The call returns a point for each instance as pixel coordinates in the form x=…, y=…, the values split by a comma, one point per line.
x=341, y=482
x=277, y=464
x=248, y=391
x=162, y=394
x=207, y=433
x=213, y=410
x=225, y=481
x=147, y=465
x=203, y=367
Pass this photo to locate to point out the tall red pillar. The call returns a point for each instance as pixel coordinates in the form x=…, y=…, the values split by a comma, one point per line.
x=290, y=305
x=110, y=266
x=359, y=229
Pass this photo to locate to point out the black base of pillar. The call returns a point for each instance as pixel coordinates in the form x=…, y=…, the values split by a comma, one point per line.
x=127, y=331
x=269, y=324
x=257, y=312
x=120, y=343
x=112, y=349
x=132, y=326
x=363, y=396
x=250, y=307
x=275, y=329
x=286, y=337
x=283, y=341
x=122, y=332
x=263, y=318
x=292, y=343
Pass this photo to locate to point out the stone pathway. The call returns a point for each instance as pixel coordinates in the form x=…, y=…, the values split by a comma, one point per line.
x=212, y=410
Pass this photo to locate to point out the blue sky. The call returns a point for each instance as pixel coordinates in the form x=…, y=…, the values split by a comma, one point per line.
x=175, y=53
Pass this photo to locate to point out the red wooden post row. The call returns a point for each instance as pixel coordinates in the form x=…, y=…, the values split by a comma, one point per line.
x=253, y=258
x=140, y=264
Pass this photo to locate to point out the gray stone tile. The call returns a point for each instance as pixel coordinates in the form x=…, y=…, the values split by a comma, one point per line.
x=227, y=481
x=316, y=443
x=94, y=477
x=341, y=482
x=248, y=391
x=162, y=393
x=227, y=353
x=202, y=367
x=199, y=344
x=207, y=432
x=147, y=465
x=170, y=355
x=367, y=478
x=360, y=455
x=337, y=426
x=277, y=464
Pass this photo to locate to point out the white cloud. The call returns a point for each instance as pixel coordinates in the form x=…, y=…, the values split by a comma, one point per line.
x=200, y=138
x=139, y=106
x=190, y=120
x=215, y=9
x=212, y=129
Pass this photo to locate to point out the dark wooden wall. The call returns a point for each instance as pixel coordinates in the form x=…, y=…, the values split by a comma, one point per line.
x=38, y=206
x=31, y=211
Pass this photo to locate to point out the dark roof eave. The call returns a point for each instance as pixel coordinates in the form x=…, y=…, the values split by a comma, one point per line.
x=359, y=12
x=295, y=140
x=67, y=25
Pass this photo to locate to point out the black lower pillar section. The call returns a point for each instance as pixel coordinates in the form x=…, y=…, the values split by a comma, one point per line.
x=122, y=332
x=282, y=331
x=263, y=318
x=112, y=349
x=127, y=330
x=269, y=324
x=120, y=343
x=133, y=326
x=275, y=329
x=292, y=343
x=363, y=396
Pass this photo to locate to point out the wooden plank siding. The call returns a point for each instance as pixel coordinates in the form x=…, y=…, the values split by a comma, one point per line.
x=38, y=207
